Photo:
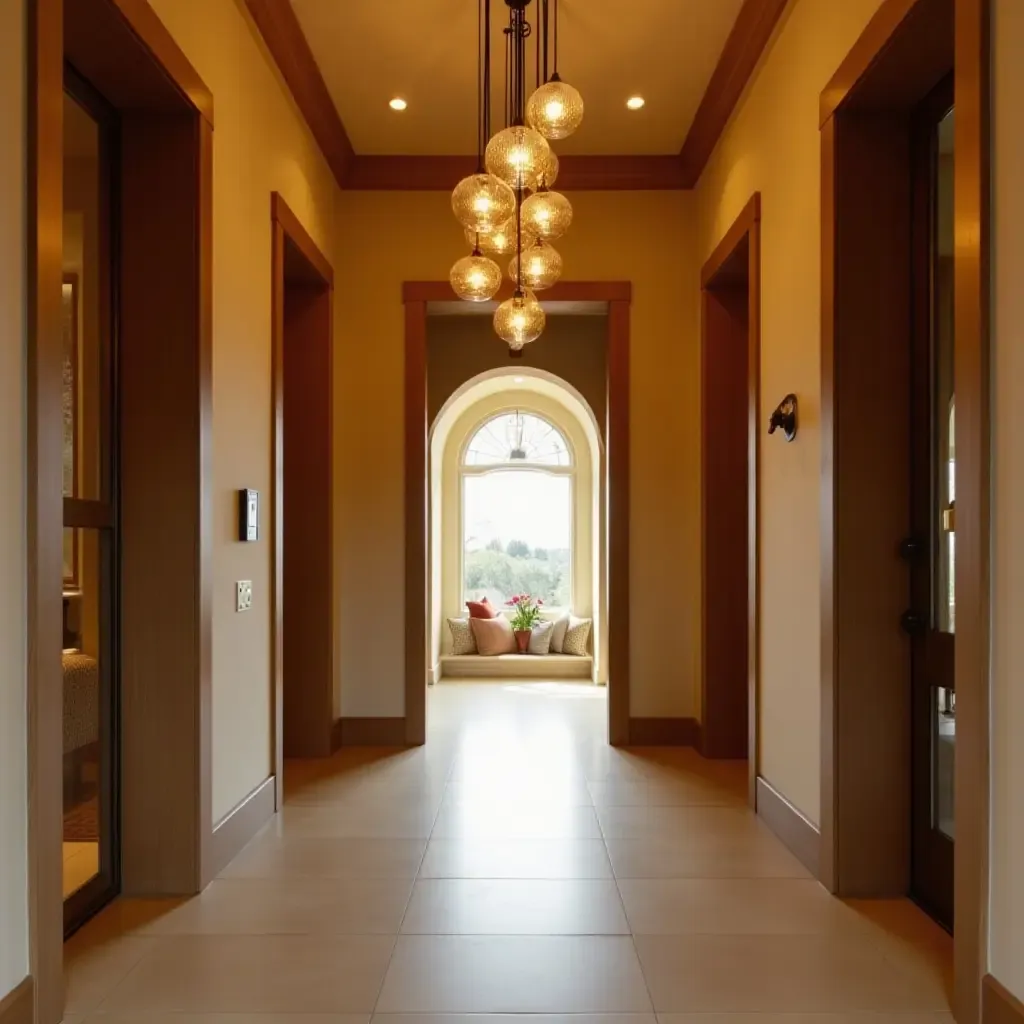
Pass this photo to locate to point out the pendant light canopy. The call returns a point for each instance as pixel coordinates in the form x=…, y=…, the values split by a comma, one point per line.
x=499, y=215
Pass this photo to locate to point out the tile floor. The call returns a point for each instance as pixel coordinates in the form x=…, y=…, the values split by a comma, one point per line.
x=515, y=865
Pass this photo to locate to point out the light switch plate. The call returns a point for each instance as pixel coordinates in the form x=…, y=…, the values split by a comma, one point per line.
x=244, y=600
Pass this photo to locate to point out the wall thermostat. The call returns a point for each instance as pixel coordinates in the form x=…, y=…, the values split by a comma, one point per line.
x=248, y=515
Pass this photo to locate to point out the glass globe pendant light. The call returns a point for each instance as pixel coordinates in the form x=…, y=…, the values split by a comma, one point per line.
x=475, y=278
x=519, y=320
x=501, y=241
x=556, y=108
x=547, y=214
x=482, y=202
x=541, y=267
x=519, y=156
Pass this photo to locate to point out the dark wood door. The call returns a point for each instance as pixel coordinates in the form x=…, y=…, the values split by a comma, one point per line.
x=931, y=618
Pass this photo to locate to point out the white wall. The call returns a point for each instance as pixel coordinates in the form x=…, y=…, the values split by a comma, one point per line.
x=1006, y=943
x=13, y=622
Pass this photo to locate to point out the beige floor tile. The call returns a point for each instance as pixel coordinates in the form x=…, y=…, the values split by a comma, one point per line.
x=776, y=973
x=678, y=823
x=504, y=907
x=96, y=963
x=734, y=906
x=273, y=856
x=671, y=791
x=289, y=906
x=370, y=821
x=516, y=858
x=248, y=974
x=458, y=974
x=499, y=1018
x=146, y=1017
x=805, y=1018
x=515, y=821
x=749, y=857
x=515, y=788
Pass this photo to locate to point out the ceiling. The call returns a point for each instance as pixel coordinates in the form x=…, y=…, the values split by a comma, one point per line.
x=425, y=51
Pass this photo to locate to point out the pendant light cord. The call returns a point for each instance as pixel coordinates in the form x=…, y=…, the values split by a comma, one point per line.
x=479, y=90
x=555, y=45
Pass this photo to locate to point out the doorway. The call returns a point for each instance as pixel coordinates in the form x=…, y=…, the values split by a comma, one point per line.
x=931, y=545
x=89, y=411
x=303, y=601
x=730, y=382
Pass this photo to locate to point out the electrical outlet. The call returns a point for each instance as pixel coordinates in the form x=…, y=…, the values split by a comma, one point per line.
x=244, y=598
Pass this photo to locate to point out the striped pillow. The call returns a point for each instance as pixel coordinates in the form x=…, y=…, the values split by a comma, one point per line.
x=576, y=637
x=463, y=641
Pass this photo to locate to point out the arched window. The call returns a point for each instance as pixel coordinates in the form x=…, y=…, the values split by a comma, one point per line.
x=518, y=479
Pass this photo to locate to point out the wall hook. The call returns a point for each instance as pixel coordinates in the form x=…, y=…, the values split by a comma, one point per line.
x=784, y=418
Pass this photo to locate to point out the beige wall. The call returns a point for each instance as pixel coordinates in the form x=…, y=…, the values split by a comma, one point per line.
x=772, y=146
x=260, y=145
x=642, y=237
x=1006, y=943
x=13, y=622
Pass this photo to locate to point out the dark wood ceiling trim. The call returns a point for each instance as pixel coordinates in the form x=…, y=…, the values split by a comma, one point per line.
x=749, y=36
x=577, y=174
x=282, y=33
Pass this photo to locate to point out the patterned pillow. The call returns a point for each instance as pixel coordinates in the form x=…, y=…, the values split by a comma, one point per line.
x=576, y=637
x=463, y=641
x=558, y=634
x=540, y=638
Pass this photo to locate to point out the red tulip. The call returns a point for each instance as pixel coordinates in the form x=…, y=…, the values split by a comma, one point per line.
x=540, y=601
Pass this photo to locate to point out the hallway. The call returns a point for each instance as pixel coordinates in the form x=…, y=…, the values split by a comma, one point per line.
x=516, y=864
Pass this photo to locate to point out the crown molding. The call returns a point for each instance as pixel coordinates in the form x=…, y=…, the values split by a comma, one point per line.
x=282, y=34
x=743, y=49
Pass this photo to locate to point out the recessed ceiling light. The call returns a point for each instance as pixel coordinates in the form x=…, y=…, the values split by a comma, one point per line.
x=635, y=102
x=397, y=103
x=517, y=380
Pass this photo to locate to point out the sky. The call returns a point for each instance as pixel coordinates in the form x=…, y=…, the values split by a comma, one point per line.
x=518, y=505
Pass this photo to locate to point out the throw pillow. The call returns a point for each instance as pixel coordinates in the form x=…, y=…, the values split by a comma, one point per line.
x=558, y=634
x=540, y=638
x=493, y=636
x=462, y=637
x=481, y=609
x=576, y=637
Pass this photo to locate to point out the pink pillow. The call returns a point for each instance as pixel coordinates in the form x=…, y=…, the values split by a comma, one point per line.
x=481, y=609
x=493, y=636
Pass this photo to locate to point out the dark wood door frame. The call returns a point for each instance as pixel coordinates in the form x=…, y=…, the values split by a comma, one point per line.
x=124, y=51
x=734, y=266
x=907, y=47
x=294, y=257
x=416, y=295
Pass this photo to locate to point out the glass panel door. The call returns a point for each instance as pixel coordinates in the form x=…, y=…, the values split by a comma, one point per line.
x=90, y=742
x=933, y=619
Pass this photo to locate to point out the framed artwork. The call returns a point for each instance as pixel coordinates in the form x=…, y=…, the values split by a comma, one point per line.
x=69, y=409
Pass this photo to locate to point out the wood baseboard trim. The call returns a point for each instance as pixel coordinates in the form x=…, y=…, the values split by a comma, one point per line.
x=998, y=1004
x=664, y=732
x=18, y=1006
x=801, y=837
x=233, y=832
x=368, y=732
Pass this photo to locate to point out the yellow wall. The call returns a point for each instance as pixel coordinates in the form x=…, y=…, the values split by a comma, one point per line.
x=260, y=145
x=1007, y=753
x=13, y=621
x=643, y=237
x=772, y=146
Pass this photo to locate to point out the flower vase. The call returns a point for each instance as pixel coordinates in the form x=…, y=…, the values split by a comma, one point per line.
x=523, y=640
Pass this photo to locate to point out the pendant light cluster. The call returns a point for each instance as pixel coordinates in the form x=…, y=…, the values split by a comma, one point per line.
x=508, y=207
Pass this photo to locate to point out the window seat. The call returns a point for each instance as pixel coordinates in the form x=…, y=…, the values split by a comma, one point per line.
x=516, y=666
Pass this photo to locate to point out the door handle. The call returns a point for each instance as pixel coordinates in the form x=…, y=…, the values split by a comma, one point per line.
x=912, y=622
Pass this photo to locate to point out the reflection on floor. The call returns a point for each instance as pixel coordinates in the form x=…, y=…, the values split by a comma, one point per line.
x=81, y=862
x=515, y=865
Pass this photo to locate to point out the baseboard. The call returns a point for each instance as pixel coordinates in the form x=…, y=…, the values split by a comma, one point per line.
x=368, y=732
x=18, y=1006
x=799, y=834
x=998, y=1004
x=234, y=831
x=664, y=732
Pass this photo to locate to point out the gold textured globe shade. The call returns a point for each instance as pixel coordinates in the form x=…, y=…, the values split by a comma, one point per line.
x=547, y=214
x=475, y=278
x=555, y=109
x=548, y=173
x=519, y=156
x=542, y=267
x=501, y=241
x=519, y=320
x=482, y=202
